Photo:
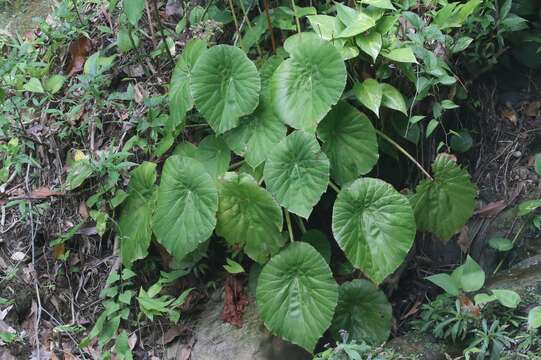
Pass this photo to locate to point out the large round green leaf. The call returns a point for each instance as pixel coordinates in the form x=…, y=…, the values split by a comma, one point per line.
x=305, y=86
x=212, y=153
x=257, y=134
x=225, y=86
x=180, y=96
x=443, y=205
x=135, y=223
x=363, y=311
x=350, y=142
x=186, y=206
x=297, y=173
x=296, y=295
x=374, y=226
x=248, y=216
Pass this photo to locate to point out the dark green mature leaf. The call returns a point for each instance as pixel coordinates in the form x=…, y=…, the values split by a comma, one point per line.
x=393, y=99
x=374, y=226
x=225, y=86
x=296, y=295
x=297, y=173
x=320, y=242
x=212, y=153
x=186, y=206
x=305, y=86
x=443, y=205
x=135, y=223
x=363, y=311
x=257, y=134
x=349, y=140
x=180, y=97
x=248, y=216
x=133, y=10
x=370, y=94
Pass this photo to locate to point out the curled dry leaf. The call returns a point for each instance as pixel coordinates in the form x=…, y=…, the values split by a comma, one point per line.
x=510, y=115
x=491, y=209
x=235, y=301
x=43, y=193
x=79, y=50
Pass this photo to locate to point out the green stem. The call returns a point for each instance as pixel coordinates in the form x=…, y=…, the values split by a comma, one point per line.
x=296, y=16
x=236, y=165
x=289, y=227
x=403, y=151
x=77, y=11
x=334, y=186
x=517, y=235
x=162, y=33
x=301, y=224
x=269, y=24
x=241, y=2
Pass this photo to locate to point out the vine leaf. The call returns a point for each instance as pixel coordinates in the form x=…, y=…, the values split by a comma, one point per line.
x=374, y=226
x=356, y=21
x=370, y=44
x=257, y=134
x=443, y=205
x=296, y=295
x=180, y=97
x=350, y=142
x=327, y=27
x=225, y=86
x=393, y=99
x=186, y=206
x=306, y=85
x=249, y=216
x=363, y=311
x=370, y=94
x=135, y=223
x=134, y=10
x=297, y=173
x=212, y=153
x=404, y=55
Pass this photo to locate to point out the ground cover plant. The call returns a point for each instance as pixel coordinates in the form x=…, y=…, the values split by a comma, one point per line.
x=191, y=138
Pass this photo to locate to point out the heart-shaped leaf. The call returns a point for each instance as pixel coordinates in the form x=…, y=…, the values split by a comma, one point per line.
x=349, y=140
x=534, y=318
x=305, y=86
x=382, y=4
x=404, y=55
x=393, y=99
x=297, y=173
x=374, y=226
x=370, y=94
x=443, y=205
x=327, y=27
x=133, y=10
x=225, y=86
x=256, y=135
x=370, y=44
x=248, y=216
x=363, y=311
x=212, y=153
x=180, y=96
x=296, y=295
x=186, y=206
x=135, y=223
x=355, y=20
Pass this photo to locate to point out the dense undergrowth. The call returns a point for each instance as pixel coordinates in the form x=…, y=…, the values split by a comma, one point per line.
x=197, y=138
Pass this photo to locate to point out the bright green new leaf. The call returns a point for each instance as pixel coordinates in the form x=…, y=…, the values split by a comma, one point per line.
x=257, y=134
x=225, y=86
x=297, y=173
x=355, y=20
x=528, y=206
x=134, y=10
x=393, y=99
x=482, y=299
x=370, y=94
x=370, y=44
x=382, y=4
x=33, y=85
x=374, y=226
x=404, y=55
x=135, y=223
x=126, y=39
x=363, y=311
x=500, y=244
x=507, y=298
x=54, y=83
x=186, y=206
x=233, y=267
x=327, y=27
x=472, y=277
x=534, y=318
x=180, y=97
x=446, y=282
x=537, y=164
x=319, y=241
x=78, y=172
x=444, y=204
x=248, y=216
x=431, y=126
x=349, y=141
x=305, y=86
x=296, y=295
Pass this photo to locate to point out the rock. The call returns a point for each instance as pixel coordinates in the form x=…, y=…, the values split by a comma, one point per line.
x=526, y=281
x=421, y=347
x=215, y=339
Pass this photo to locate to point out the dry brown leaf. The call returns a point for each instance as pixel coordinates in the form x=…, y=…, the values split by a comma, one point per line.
x=469, y=306
x=173, y=332
x=532, y=109
x=491, y=209
x=59, y=250
x=79, y=50
x=83, y=210
x=510, y=115
x=464, y=239
x=235, y=301
x=43, y=193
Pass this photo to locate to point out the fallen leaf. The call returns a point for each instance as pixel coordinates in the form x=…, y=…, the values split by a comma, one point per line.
x=510, y=115
x=18, y=256
x=83, y=210
x=464, y=240
x=132, y=341
x=59, y=250
x=491, y=209
x=532, y=109
x=78, y=51
x=468, y=306
x=174, y=332
x=43, y=193
x=235, y=301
